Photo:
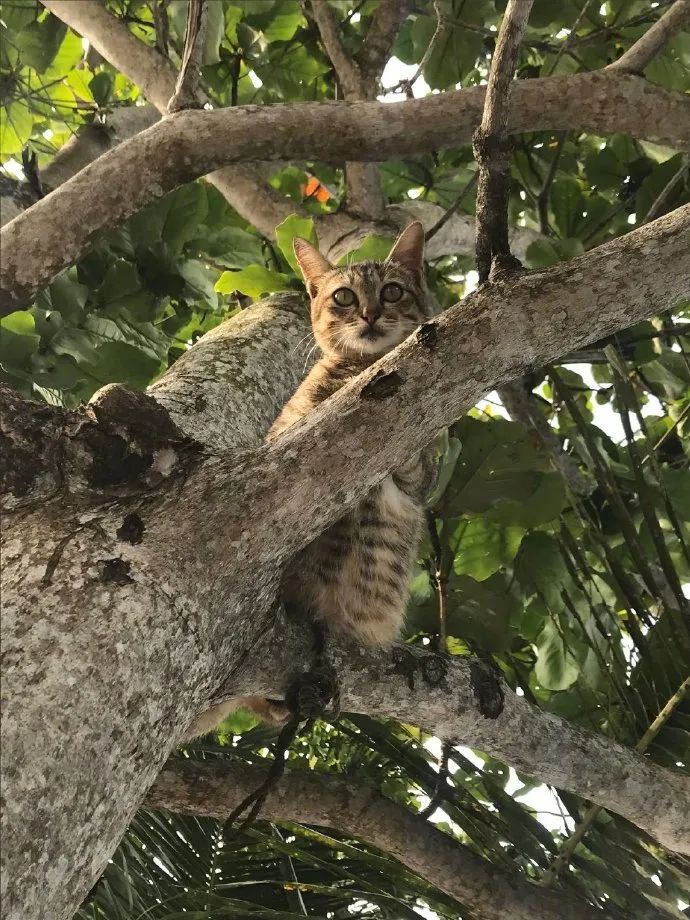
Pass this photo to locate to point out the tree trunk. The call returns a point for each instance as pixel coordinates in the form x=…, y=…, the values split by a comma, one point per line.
x=141, y=569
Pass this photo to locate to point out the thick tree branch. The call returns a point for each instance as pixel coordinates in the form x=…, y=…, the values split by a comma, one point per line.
x=213, y=789
x=555, y=751
x=57, y=230
x=359, y=78
x=492, y=148
x=636, y=58
x=156, y=76
x=187, y=84
x=149, y=603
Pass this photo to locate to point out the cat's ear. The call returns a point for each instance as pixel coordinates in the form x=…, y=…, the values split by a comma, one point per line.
x=313, y=265
x=408, y=249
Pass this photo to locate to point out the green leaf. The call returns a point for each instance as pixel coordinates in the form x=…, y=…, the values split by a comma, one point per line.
x=483, y=547
x=482, y=611
x=16, y=125
x=69, y=54
x=539, y=567
x=286, y=232
x=374, y=248
x=101, y=87
x=556, y=667
x=656, y=183
x=254, y=281
x=567, y=204
x=18, y=338
x=285, y=20
x=38, y=43
x=119, y=362
x=604, y=170
x=187, y=207
x=544, y=252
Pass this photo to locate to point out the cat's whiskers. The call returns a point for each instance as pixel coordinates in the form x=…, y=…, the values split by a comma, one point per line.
x=303, y=341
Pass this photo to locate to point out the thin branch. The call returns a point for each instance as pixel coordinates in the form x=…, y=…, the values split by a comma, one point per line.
x=664, y=194
x=443, y=220
x=492, y=149
x=212, y=789
x=346, y=69
x=406, y=85
x=187, y=85
x=543, y=197
x=645, y=49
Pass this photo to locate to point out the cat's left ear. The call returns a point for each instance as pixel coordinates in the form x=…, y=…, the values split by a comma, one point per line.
x=408, y=249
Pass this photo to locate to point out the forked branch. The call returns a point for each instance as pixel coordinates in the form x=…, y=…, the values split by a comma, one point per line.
x=492, y=147
x=187, y=85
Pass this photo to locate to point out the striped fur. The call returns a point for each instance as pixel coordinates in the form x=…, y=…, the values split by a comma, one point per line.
x=355, y=575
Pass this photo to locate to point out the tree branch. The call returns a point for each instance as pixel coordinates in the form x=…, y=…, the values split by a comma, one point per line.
x=156, y=76
x=492, y=149
x=214, y=789
x=555, y=751
x=637, y=57
x=187, y=84
x=158, y=619
x=57, y=230
x=346, y=68
x=388, y=18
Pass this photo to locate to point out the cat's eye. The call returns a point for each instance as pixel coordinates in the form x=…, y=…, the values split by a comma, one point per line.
x=391, y=293
x=344, y=297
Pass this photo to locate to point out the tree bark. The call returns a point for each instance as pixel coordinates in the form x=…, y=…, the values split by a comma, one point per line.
x=214, y=789
x=57, y=230
x=137, y=594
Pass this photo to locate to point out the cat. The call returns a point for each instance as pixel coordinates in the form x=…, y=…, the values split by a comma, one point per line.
x=354, y=577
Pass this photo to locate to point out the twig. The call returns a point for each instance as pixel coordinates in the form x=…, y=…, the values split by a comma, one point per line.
x=663, y=195
x=406, y=85
x=566, y=44
x=492, y=148
x=185, y=95
x=637, y=57
x=438, y=796
x=444, y=218
x=590, y=816
x=543, y=196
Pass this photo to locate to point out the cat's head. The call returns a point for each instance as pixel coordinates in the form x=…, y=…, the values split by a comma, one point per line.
x=367, y=308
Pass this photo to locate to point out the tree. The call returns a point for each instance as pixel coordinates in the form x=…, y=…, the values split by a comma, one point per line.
x=146, y=525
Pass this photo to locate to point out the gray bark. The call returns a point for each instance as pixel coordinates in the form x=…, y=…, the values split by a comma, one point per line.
x=490, y=893
x=636, y=58
x=58, y=229
x=118, y=633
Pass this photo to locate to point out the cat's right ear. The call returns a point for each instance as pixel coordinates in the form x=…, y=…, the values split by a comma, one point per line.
x=313, y=265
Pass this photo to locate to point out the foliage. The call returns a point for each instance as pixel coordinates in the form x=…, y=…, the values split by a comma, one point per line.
x=580, y=600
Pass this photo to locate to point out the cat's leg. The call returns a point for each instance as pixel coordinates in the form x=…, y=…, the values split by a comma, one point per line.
x=417, y=476
x=272, y=711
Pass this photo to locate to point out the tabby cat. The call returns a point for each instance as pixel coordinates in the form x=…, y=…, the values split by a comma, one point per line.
x=354, y=576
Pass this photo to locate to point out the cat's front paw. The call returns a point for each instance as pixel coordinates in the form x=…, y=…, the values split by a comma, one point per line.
x=432, y=667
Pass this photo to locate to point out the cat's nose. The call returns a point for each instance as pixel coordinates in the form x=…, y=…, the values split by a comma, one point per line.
x=370, y=316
